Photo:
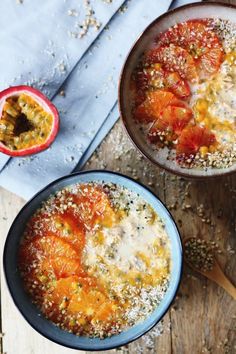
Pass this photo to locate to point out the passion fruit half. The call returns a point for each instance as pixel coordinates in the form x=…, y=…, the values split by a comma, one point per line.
x=29, y=122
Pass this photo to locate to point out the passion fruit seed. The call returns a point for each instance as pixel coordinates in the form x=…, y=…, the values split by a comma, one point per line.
x=24, y=123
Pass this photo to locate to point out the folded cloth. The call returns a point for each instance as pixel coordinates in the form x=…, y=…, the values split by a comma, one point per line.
x=42, y=45
x=88, y=111
x=91, y=92
x=101, y=134
x=112, y=117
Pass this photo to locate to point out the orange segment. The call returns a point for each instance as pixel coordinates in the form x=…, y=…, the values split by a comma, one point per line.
x=53, y=246
x=177, y=85
x=158, y=132
x=58, y=297
x=198, y=38
x=154, y=104
x=170, y=124
x=94, y=206
x=68, y=228
x=105, y=312
x=155, y=77
x=93, y=306
x=151, y=77
x=193, y=138
x=86, y=302
x=68, y=287
x=174, y=58
x=177, y=117
x=62, y=267
x=40, y=248
x=190, y=33
x=211, y=60
x=38, y=225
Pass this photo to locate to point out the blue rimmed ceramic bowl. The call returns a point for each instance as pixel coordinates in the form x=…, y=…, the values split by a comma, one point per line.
x=31, y=312
x=160, y=157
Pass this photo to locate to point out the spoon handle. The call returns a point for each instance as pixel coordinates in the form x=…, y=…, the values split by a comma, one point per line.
x=224, y=282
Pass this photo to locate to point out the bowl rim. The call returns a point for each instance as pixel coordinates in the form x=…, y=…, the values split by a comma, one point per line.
x=21, y=309
x=129, y=131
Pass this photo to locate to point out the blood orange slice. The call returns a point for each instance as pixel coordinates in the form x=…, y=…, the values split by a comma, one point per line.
x=62, y=267
x=172, y=121
x=58, y=296
x=158, y=133
x=155, y=77
x=151, y=77
x=107, y=312
x=211, y=60
x=40, y=248
x=154, y=104
x=177, y=117
x=174, y=58
x=193, y=138
x=177, y=85
x=63, y=225
x=87, y=302
x=93, y=206
x=69, y=228
x=198, y=38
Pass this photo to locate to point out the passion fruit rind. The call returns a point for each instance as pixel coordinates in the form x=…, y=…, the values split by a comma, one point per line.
x=29, y=121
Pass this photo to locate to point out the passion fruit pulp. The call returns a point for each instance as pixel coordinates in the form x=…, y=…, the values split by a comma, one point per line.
x=29, y=122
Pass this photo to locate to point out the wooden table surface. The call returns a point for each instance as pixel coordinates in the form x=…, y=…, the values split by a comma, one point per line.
x=203, y=316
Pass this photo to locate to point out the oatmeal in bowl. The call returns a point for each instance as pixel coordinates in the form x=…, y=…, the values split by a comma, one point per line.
x=177, y=91
x=98, y=260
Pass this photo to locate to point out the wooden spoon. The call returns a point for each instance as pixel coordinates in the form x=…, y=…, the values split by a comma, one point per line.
x=214, y=272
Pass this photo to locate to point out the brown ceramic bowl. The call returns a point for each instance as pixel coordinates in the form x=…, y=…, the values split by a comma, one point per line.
x=162, y=23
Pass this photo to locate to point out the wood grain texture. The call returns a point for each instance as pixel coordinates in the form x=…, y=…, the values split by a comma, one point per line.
x=203, y=316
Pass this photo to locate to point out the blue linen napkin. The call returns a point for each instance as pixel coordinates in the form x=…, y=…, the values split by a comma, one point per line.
x=113, y=115
x=89, y=109
x=40, y=47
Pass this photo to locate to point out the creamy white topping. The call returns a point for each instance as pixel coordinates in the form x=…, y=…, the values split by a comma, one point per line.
x=219, y=93
x=124, y=242
x=134, y=247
